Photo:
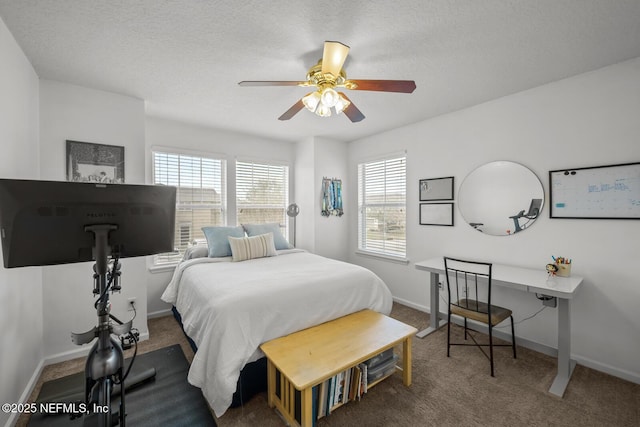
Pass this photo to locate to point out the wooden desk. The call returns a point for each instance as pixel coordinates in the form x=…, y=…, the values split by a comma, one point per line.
x=528, y=280
x=309, y=357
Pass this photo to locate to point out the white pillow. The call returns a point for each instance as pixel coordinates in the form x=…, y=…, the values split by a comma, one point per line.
x=196, y=251
x=245, y=248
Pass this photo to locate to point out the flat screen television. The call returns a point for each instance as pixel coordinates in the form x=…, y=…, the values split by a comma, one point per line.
x=43, y=222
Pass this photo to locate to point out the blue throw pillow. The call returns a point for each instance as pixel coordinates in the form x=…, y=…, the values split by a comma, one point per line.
x=278, y=238
x=217, y=239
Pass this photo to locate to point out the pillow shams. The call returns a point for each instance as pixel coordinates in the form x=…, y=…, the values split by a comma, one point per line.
x=278, y=239
x=217, y=239
x=246, y=248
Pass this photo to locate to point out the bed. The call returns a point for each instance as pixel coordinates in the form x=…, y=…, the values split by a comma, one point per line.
x=229, y=308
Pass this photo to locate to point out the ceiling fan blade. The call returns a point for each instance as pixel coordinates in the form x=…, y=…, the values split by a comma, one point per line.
x=402, y=86
x=292, y=111
x=352, y=111
x=333, y=57
x=272, y=83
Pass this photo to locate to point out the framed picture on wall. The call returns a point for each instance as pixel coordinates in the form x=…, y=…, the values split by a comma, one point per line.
x=88, y=162
x=436, y=189
x=436, y=214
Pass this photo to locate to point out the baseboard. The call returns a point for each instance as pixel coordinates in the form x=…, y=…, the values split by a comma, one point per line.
x=13, y=418
x=413, y=305
x=633, y=377
x=79, y=352
x=159, y=313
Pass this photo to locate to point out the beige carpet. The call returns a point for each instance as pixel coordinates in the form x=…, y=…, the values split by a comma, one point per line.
x=455, y=391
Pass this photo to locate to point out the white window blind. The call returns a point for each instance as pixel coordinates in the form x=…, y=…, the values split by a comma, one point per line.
x=200, y=196
x=262, y=193
x=382, y=207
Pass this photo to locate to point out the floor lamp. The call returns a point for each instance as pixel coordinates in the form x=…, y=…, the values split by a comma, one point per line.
x=292, y=212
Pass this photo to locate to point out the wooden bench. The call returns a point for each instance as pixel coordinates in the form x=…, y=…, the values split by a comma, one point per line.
x=311, y=356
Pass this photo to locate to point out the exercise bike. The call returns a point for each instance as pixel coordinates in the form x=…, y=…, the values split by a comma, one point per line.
x=104, y=365
x=81, y=222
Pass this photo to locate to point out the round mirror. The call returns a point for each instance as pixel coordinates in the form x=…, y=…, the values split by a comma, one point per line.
x=501, y=198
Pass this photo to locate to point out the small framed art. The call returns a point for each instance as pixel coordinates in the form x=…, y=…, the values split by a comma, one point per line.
x=436, y=214
x=436, y=189
x=88, y=162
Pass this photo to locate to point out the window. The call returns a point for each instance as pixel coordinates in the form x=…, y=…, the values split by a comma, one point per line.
x=200, y=198
x=382, y=207
x=184, y=234
x=262, y=193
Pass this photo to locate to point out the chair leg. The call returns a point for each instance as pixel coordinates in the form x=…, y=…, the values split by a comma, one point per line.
x=491, y=347
x=448, y=331
x=465, y=328
x=513, y=338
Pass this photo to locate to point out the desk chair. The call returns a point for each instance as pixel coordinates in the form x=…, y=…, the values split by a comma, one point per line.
x=469, y=289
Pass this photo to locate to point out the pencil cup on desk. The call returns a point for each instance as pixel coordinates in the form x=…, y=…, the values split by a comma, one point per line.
x=564, y=270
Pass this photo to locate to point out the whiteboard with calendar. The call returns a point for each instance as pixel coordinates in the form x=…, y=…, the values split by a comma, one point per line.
x=605, y=192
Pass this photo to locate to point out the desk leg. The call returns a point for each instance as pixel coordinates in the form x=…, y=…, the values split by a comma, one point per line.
x=434, y=319
x=406, y=361
x=565, y=364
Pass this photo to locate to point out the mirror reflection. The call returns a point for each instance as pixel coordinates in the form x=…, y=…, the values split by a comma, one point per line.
x=501, y=198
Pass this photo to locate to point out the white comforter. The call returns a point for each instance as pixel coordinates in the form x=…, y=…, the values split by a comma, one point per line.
x=230, y=308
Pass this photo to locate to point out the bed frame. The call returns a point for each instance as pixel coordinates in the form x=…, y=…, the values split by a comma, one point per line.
x=253, y=377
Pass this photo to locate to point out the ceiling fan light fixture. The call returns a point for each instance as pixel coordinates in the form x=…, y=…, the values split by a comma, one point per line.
x=341, y=105
x=311, y=101
x=329, y=97
x=323, y=110
x=326, y=76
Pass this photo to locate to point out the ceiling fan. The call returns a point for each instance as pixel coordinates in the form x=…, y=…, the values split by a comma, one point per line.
x=326, y=76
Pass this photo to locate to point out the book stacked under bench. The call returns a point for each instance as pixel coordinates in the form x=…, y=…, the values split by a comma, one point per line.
x=348, y=385
x=314, y=371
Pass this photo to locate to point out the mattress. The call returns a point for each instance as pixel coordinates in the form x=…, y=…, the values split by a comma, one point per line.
x=230, y=308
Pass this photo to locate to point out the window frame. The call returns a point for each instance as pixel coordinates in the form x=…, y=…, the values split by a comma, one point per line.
x=170, y=260
x=363, y=205
x=284, y=223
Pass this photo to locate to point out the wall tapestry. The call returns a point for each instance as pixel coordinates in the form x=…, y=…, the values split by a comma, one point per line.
x=331, y=197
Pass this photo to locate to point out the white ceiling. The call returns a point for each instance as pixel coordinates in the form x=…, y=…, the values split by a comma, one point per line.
x=185, y=58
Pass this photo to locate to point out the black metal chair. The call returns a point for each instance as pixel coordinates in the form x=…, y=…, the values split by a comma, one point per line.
x=469, y=290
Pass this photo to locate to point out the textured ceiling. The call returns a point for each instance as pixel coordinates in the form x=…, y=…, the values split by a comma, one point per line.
x=185, y=58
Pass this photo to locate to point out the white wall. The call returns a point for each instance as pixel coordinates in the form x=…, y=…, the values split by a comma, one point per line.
x=20, y=288
x=232, y=145
x=317, y=158
x=332, y=232
x=88, y=115
x=586, y=120
x=305, y=179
